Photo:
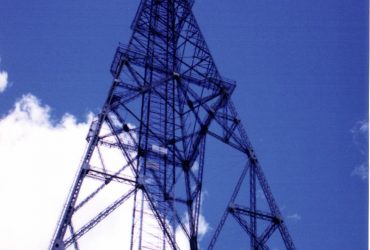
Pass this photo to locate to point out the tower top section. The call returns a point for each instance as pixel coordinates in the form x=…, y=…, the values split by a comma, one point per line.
x=166, y=37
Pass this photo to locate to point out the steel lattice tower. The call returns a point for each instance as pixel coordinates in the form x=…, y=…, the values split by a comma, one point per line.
x=166, y=99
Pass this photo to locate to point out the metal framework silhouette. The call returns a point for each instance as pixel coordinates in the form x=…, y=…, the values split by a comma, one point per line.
x=167, y=97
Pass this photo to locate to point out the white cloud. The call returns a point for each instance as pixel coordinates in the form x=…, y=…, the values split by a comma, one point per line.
x=3, y=80
x=181, y=239
x=38, y=162
x=295, y=217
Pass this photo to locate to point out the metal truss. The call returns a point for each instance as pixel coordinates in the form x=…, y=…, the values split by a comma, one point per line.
x=166, y=98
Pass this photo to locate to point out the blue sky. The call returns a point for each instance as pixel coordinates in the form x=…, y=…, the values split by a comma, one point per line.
x=302, y=91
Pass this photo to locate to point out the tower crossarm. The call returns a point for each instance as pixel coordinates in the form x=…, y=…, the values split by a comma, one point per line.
x=259, y=214
x=126, y=55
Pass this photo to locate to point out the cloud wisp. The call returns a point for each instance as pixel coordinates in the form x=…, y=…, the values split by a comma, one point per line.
x=361, y=171
x=360, y=135
x=294, y=217
x=3, y=81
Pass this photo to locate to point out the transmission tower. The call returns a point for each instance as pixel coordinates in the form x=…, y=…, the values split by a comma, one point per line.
x=167, y=97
